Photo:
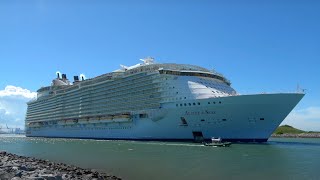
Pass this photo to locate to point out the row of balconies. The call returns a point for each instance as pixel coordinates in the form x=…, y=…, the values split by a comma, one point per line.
x=89, y=96
x=102, y=112
x=114, y=101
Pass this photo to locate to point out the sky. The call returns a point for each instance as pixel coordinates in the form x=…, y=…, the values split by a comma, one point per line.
x=260, y=46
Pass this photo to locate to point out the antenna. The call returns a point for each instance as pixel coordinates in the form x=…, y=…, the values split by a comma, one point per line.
x=58, y=74
x=82, y=77
x=300, y=90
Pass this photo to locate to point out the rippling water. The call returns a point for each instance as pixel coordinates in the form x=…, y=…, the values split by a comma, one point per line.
x=280, y=158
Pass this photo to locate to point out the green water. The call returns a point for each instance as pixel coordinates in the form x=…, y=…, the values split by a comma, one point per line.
x=277, y=159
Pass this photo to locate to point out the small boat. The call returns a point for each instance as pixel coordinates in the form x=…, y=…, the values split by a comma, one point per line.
x=217, y=142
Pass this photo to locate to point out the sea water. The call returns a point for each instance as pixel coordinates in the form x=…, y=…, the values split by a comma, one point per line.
x=279, y=158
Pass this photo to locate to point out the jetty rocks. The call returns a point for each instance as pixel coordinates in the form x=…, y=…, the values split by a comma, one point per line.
x=14, y=167
x=300, y=135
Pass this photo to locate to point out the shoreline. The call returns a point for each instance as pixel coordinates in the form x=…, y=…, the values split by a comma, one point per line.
x=15, y=167
x=301, y=135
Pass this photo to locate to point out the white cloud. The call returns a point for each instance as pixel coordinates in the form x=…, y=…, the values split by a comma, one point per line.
x=17, y=92
x=306, y=119
x=13, y=106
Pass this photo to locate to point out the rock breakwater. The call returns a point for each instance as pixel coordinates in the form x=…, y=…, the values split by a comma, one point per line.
x=14, y=167
x=301, y=135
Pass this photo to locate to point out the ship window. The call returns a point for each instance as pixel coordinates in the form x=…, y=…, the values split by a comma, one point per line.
x=185, y=97
x=185, y=104
x=177, y=105
x=224, y=119
x=194, y=104
x=143, y=115
x=208, y=102
x=189, y=104
x=202, y=120
x=198, y=103
x=180, y=104
x=261, y=119
x=219, y=102
x=214, y=102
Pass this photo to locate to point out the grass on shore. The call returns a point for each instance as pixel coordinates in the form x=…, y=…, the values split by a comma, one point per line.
x=286, y=129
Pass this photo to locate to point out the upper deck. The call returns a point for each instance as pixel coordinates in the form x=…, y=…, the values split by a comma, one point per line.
x=62, y=85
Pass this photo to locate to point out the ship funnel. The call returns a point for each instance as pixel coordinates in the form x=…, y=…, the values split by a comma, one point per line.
x=64, y=76
x=76, y=78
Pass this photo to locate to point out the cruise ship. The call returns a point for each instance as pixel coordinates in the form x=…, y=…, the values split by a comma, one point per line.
x=155, y=101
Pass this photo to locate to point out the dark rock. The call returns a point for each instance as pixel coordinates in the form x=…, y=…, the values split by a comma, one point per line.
x=18, y=174
x=72, y=176
x=23, y=168
x=65, y=176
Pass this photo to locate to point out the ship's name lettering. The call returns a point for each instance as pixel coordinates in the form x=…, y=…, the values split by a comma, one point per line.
x=199, y=112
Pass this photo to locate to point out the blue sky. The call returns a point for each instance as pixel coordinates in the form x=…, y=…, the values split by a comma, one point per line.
x=261, y=46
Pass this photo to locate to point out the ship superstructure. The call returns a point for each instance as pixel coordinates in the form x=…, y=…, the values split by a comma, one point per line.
x=153, y=101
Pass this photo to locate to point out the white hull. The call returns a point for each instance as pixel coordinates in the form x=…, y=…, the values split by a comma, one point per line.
x=236, y=118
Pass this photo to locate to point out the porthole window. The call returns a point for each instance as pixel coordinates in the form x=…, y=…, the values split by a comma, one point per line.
x=198, y=103
x=180, y=104
x=189, y=104
x=219, y=102
x=194, y=104
x=208, y=102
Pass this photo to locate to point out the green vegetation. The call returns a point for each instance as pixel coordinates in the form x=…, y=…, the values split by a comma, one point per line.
x=286, y=129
